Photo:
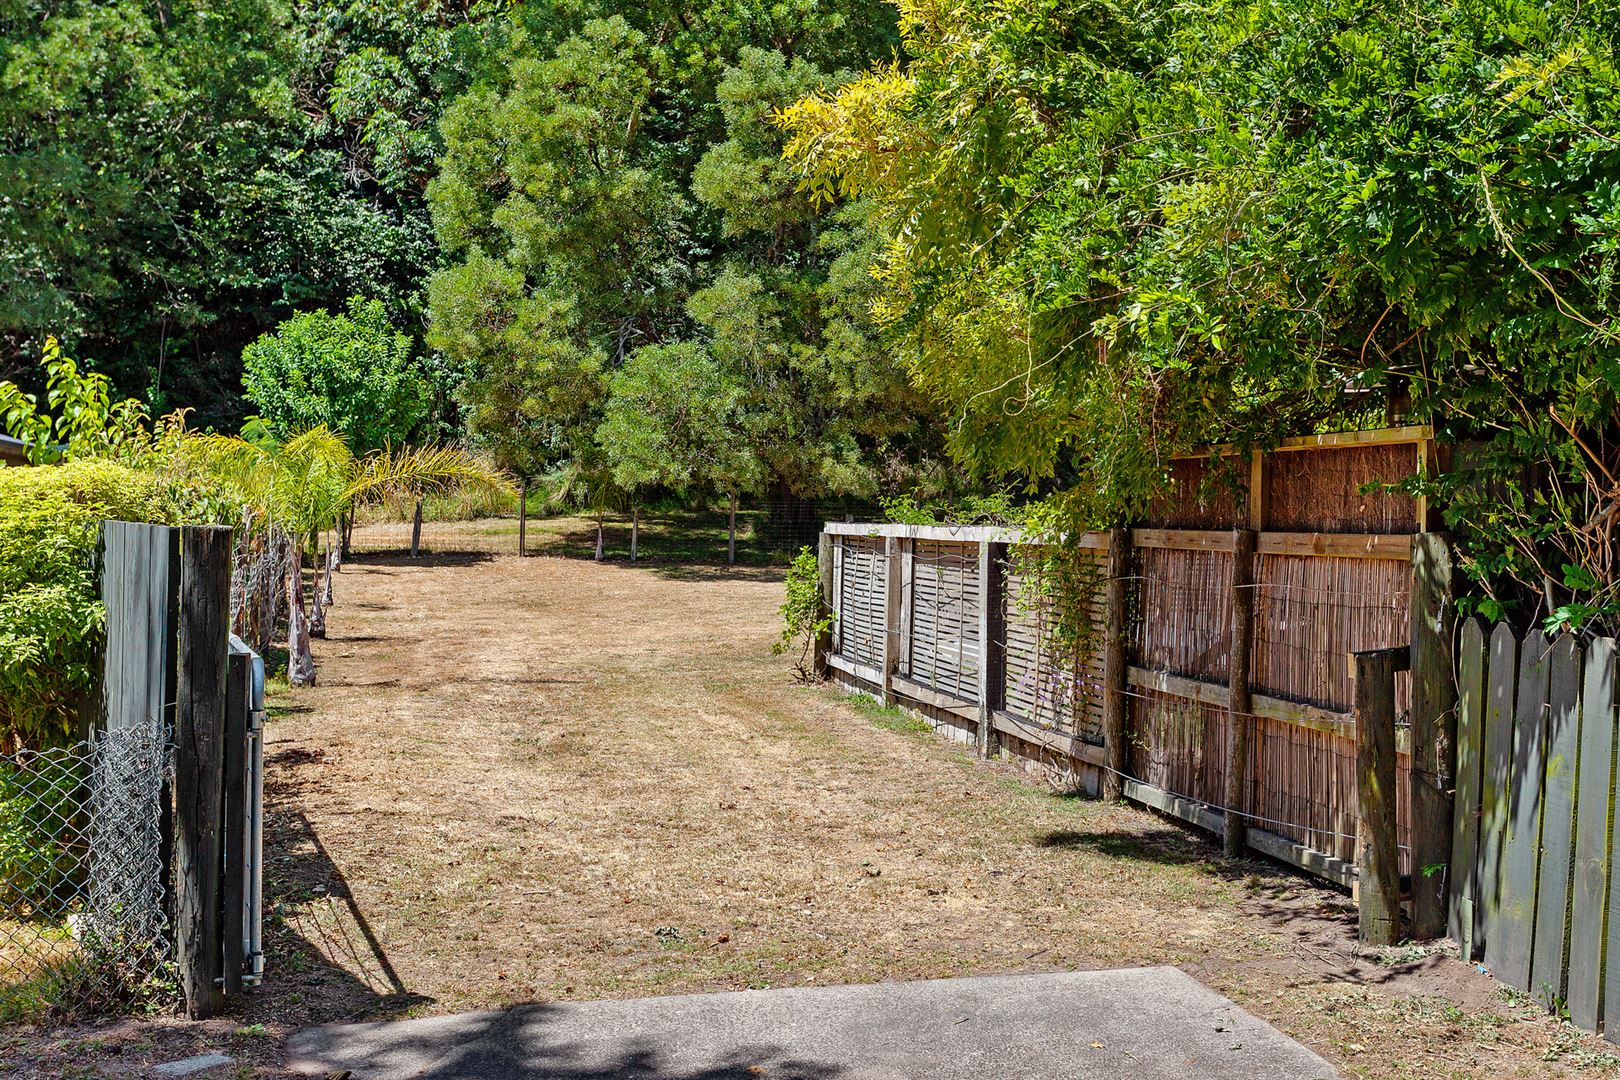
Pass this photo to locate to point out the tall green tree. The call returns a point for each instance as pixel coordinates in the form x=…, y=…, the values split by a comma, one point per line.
x=1114, y=232
x=352, y=373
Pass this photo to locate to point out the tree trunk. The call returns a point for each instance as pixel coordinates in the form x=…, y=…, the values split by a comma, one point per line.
x=331, y=564
x=300, y=659
x=345, y=530
x=523, y=521
x=635, y=532
x=731, y=538
x=416, y=531
x=598, y=537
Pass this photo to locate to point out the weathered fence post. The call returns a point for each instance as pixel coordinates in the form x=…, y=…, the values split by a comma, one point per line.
x=1463, y=873
x=523, y=520
x=992, y=649
x=416, y=530
x=1114, y=668
x=234, y=834
x=1238, y=700
x=1434, y=734
x=891, y=616
x=824, y=567
x=203, y=641
x=1377, y=855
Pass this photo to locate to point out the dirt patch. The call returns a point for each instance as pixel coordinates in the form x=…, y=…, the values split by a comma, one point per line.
x=550, y=779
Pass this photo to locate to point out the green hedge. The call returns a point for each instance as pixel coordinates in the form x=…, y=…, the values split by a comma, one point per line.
x=50, y=617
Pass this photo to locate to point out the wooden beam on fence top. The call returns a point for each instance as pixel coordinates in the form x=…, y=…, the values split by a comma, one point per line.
x=1238, y=703
x=202, y=647
x=1377, y=854
x=1114, y=664
x=1392, y=546
x=1434, y=733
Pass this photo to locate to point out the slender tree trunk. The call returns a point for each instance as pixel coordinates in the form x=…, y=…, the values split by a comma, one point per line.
x=598, y=537
x=300, y=658
x=331, y=564
x=523, y=521
x=345, y=524
x=635, y=532
x=416, y=531
x=348, y=533
x=731, y=538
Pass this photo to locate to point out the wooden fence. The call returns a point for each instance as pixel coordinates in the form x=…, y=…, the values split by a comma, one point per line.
x=1220, y=673
x=1534, y=889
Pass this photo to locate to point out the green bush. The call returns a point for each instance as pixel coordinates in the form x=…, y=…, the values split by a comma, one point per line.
x=804, y=616
x=50, y=616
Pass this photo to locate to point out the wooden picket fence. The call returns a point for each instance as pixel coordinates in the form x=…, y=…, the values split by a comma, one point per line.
x=1534, y=890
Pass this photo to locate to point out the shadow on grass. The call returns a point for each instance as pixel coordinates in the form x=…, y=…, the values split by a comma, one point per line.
x=317, y=970
x=370, y=561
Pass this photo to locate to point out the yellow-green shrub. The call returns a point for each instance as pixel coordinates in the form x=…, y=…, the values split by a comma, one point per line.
x=51, y=620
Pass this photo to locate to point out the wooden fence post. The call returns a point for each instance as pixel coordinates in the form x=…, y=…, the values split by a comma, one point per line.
x=891, y=615
x=523, y=520
x=992, y=649
x=416, y=530
x=234, y=834
x=1115, y=702
x=824, y=566
x=1377, y=856
x=201, y=650
x=1434, y=734
x=1238, y=700
x=1465, y=845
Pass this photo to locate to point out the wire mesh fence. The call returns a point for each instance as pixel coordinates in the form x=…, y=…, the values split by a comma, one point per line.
x=767, y=531
x=83, y=877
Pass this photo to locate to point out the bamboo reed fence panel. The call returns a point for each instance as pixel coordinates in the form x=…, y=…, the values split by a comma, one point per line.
x=1204, y=493
x=944, y=651
x=1178, y=745
x=1342, y=490
x=1183, y=611
x=1311, y=611
x=1044, y=687
x=861, y=617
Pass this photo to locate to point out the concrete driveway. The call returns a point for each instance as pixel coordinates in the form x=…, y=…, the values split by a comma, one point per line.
x=1136, y=1023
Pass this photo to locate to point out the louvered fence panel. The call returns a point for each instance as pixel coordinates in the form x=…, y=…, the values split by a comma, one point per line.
x=1044, y=686
x=861, y=600
x=945, y=651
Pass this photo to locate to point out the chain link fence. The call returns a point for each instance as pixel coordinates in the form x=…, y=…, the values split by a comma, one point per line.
x=83, y=877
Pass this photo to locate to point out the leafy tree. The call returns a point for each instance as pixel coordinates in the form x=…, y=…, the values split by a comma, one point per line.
x=352, y=373
x=1113, y=233
x=675, y=419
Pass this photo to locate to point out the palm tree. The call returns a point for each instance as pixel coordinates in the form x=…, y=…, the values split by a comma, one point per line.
x=303, y=485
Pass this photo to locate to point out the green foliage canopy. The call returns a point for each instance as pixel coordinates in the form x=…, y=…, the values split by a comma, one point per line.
x=352, y=373
x=1117, y=231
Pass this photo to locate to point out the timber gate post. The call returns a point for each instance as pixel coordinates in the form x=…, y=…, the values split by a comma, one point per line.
x=1115, y=703
x=1434, y=734
x=200, y=749
x=1238, y=699
x=1377, y=855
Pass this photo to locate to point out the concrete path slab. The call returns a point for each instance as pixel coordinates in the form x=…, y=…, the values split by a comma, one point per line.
x=1147, y=1023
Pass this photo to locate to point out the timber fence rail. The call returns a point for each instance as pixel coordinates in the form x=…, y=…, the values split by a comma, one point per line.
x=1264, y=683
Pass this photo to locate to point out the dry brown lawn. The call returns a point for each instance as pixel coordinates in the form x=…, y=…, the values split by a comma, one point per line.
x=548, y=778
